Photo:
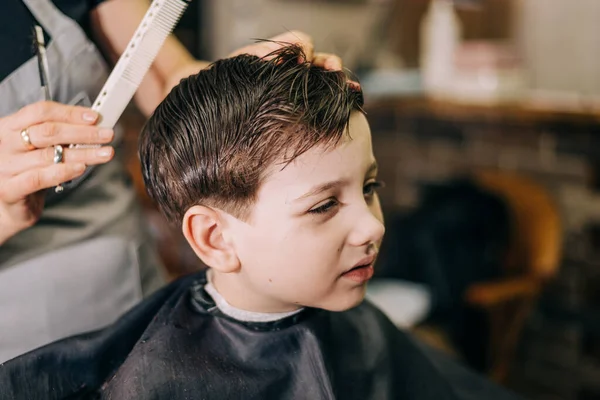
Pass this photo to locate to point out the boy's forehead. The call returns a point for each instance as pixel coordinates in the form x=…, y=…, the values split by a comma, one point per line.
x=348, y=160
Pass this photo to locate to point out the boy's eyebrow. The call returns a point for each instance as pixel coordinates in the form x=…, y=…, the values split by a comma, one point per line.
x=321, y=188
x=333, y=184
x=372, y=168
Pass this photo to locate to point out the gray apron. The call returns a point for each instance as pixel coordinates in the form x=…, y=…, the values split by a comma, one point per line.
x=89, y=258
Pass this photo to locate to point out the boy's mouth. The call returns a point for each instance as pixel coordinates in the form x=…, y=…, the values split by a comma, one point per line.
x=362, y=271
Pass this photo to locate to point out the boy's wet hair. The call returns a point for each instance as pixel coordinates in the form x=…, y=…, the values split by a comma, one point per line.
x=218, y=133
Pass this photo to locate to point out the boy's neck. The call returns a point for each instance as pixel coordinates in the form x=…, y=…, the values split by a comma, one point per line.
x=238, y=295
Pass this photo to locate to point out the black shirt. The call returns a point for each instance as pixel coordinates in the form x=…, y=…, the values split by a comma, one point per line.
x=16, y=29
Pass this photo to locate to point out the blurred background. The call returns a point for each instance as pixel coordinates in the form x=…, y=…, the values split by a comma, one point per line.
x=486, y=125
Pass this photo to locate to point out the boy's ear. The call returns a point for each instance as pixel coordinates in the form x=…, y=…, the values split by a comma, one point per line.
x=205, y=230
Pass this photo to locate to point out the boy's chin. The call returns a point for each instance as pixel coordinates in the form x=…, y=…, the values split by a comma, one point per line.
x=345, y=301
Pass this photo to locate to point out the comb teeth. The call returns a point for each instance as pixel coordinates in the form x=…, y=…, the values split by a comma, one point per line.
x=157, y=24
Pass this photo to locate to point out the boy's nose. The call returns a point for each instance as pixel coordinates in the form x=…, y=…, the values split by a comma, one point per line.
x=368, y=229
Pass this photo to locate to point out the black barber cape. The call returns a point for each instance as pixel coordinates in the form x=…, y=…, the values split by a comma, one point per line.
x=178, y=345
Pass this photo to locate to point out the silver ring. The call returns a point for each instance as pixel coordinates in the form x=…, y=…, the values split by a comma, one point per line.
x=58, y=158
x=58, y=154
x=27, y=140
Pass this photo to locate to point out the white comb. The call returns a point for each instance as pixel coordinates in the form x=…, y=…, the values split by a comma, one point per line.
x=125, y=78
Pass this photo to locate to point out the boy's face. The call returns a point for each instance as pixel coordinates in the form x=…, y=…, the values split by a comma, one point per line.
x=312, y=223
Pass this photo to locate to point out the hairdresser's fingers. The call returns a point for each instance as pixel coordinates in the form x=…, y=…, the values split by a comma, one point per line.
x=261, y=49
x=20, y=186
x=327, y=61
x=299, y=38
x=267, y=47
x=23, y=162
x=12, y=126
x=52, y=133
x=93, y=156
x=44, y=111
x=353, y=84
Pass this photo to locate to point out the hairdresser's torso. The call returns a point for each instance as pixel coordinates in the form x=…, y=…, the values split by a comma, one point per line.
x=80, y=266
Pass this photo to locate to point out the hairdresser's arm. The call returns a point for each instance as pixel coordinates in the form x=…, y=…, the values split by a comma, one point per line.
x=113, y=25
x=115, y=21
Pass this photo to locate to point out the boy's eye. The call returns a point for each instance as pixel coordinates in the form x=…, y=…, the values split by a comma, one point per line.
x=324, y=207
x=370, y=188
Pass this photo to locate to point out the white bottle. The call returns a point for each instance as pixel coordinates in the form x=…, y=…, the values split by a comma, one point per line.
x=440, y=34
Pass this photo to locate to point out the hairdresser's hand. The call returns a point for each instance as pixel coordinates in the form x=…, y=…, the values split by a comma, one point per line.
x=264, y=48
x=260, y=49
x=26, y=170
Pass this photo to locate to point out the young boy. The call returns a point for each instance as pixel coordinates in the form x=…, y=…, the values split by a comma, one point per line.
x=269, y=168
